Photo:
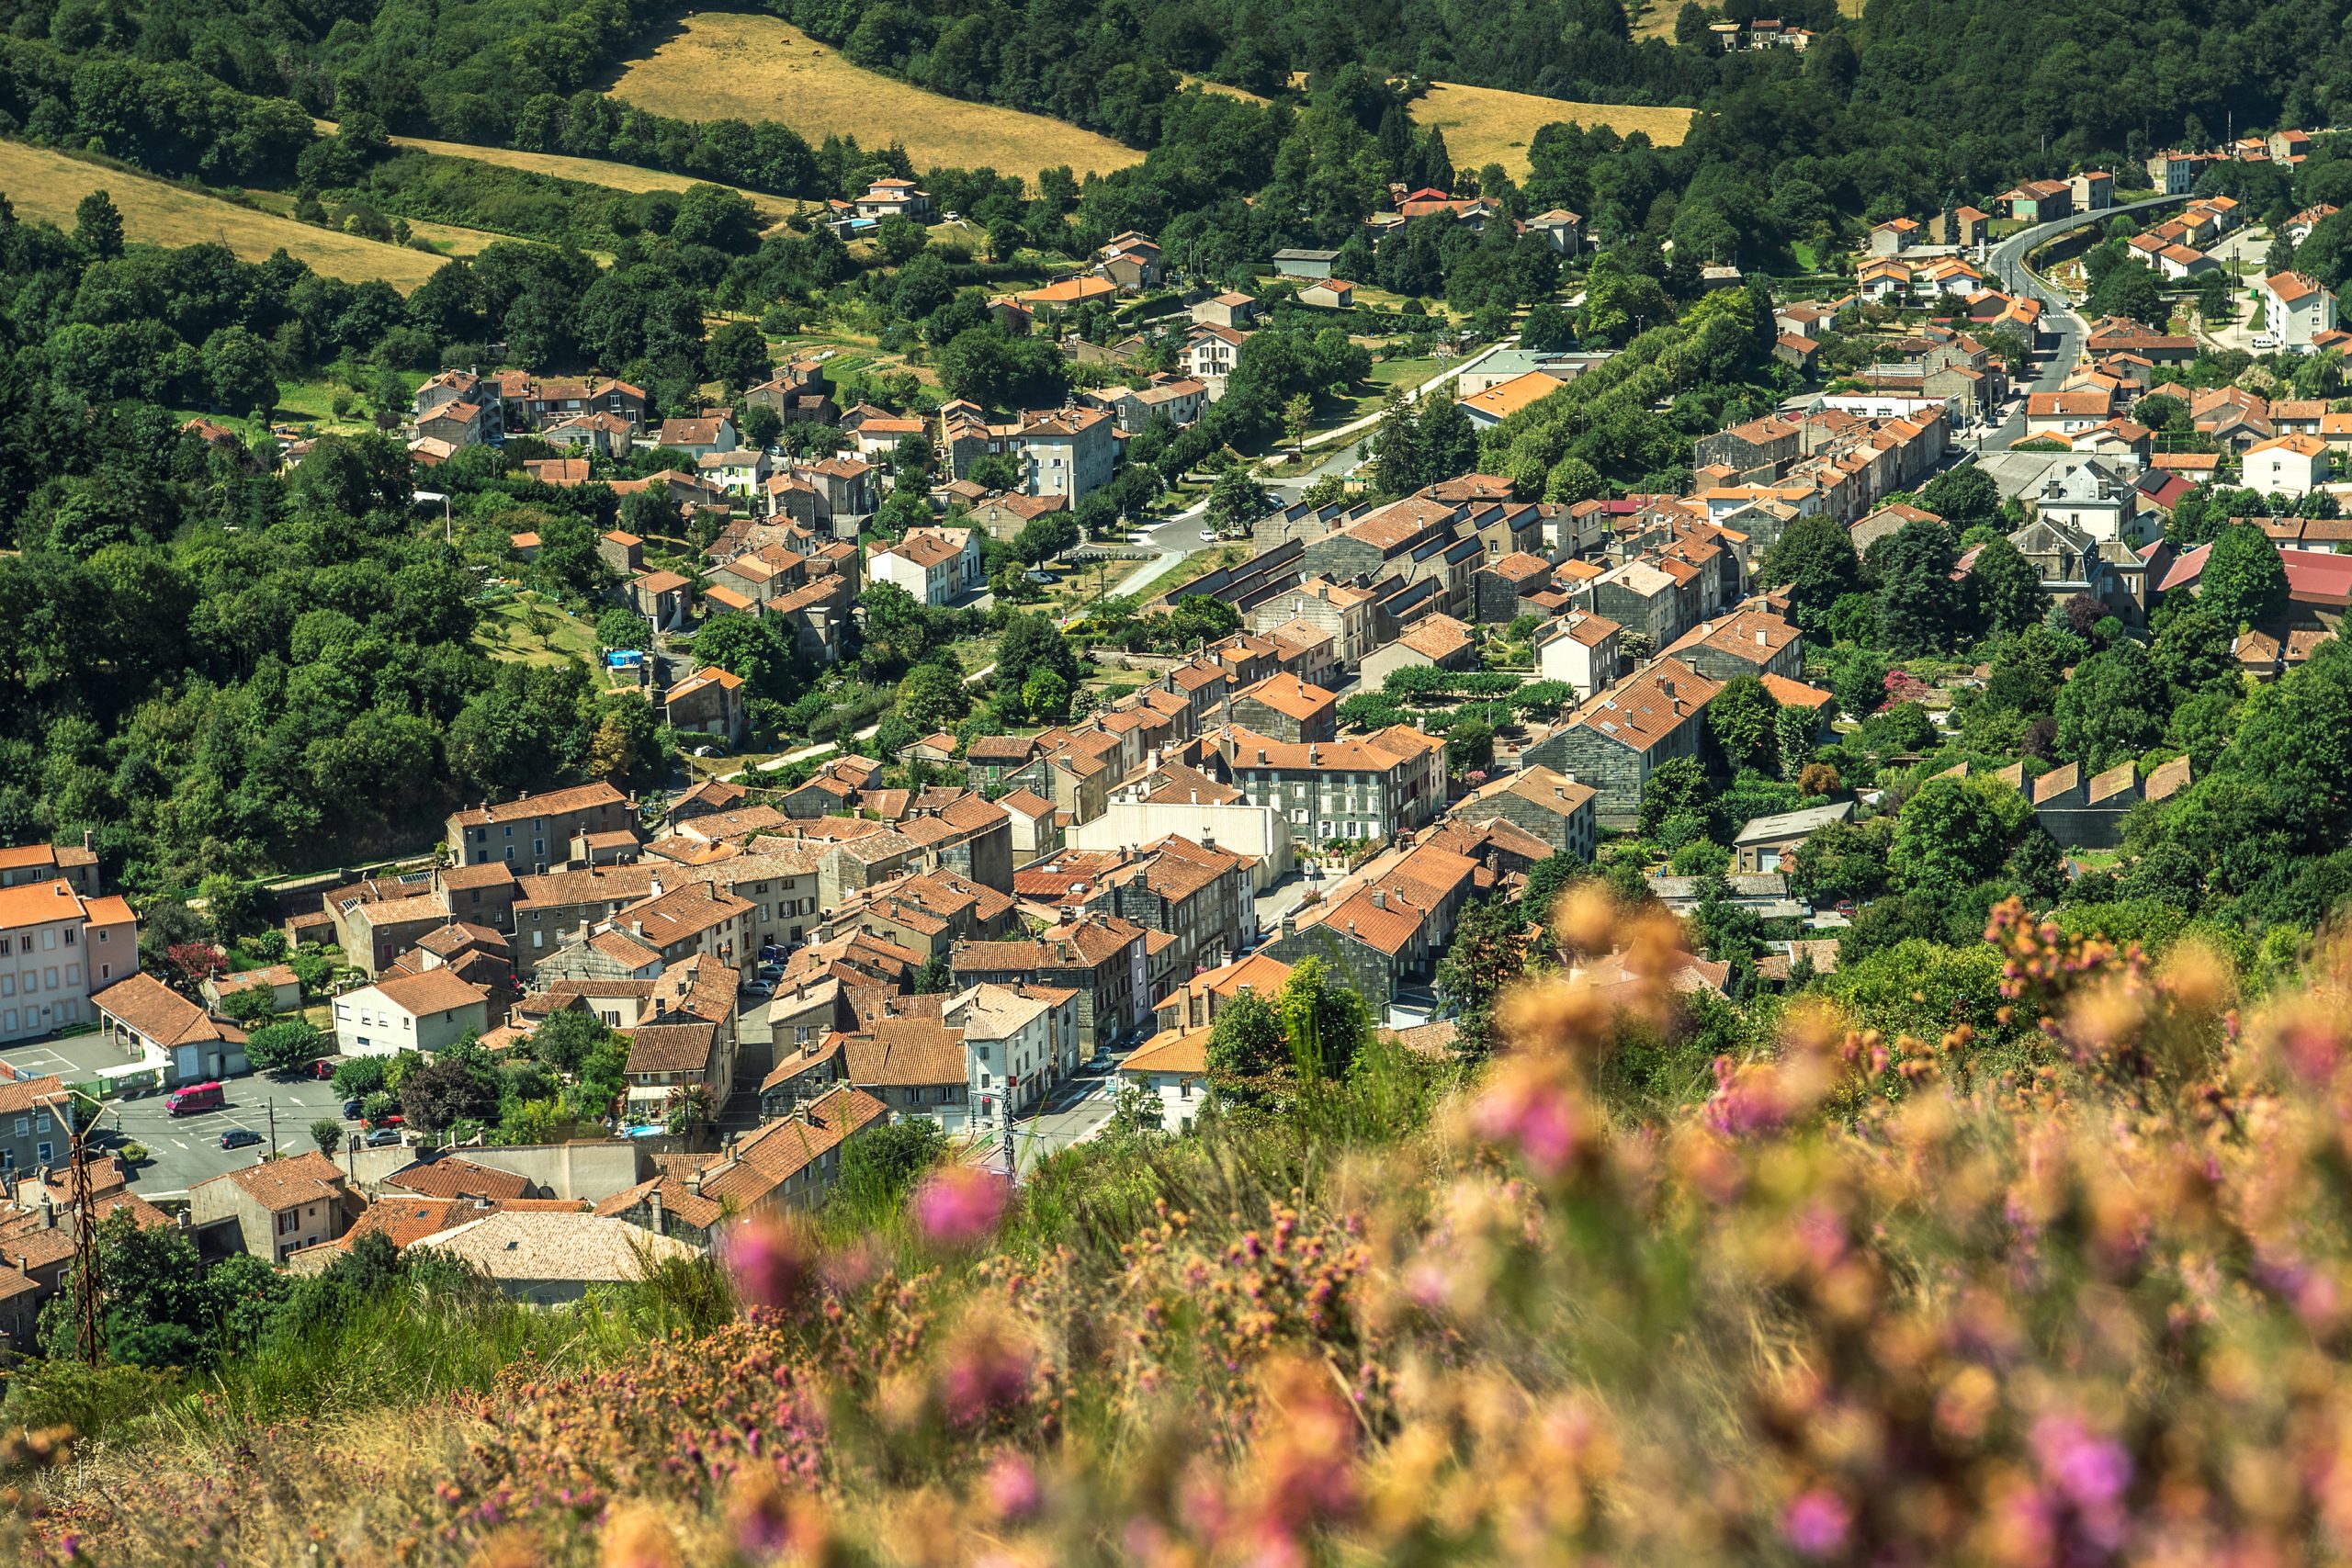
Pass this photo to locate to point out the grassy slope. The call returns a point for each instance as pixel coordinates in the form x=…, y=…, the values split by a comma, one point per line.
x=45, y=184
x=723, y=65
x=629, y=177
x=1485, y=125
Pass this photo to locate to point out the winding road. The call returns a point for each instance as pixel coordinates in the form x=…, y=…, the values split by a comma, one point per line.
x=2006, y=262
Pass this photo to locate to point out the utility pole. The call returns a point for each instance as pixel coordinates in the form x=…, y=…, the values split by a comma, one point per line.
x=85, y=1248
x=273, y=1127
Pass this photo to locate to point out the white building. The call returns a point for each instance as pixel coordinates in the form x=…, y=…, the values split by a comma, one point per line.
x=2287, y=464
x=429, y=1011
x=1579, y=648
x=1019, y=1041
x=1174, y=1068
x=2296, y=309
x=923, y=564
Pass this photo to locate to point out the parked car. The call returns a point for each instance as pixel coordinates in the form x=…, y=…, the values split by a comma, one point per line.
x=758, y=989
x=383, y=1136
x=351, y=1111
x=1208, y=536
x=238, y=1137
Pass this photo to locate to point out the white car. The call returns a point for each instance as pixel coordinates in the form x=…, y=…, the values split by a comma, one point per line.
x=2266, y=341
x=1208, y=536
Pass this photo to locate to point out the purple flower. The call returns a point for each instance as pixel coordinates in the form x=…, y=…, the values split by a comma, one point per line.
x=771, y=1263
x=1817, y=1523
x=959, y=1206
x=2091, y=1471
x=1011, y=1488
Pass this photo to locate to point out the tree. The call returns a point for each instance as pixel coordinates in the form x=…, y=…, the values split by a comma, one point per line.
x=280, y=1047
x=1796, y=732
x=97, y=227
x=1842, y=861
x=1031, y=642
x=2132, y=290
x=619, y=628
x=1298, y=414
x=1743, y=720
x=458, y=1085
x=1046, y=695
x=1673, y=787
x=1469, y=745
x=738, y=354
x=933, y=696
x=1963, y=497
x=564, y=1042
x=1237, y=500
x=1815, y=559
x=327, y=1133
x=1488, y=950
x=239, y=372
x=1324, y=1018
x=1246, y=1039
x=2006, y=590
x=251, y=1006
x=2244, y=583
x=1956, y=832
x=1859, y=683
x=1918, y=601
x=2114, y=708
x=714, y=215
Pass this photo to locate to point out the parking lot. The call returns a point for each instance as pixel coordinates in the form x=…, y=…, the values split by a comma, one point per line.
x=183, y=1150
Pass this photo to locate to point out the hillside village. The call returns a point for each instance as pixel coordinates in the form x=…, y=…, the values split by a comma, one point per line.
x=1393, y=711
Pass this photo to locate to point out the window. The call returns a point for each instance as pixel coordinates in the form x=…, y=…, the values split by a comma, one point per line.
x=6, y=943
x=24, y=1125
x=72, y=936
x=41, y=1122
x=45, y=1153
x=286, y=1222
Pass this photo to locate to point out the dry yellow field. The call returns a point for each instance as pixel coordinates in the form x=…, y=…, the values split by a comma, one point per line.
x=629, y=177
x=45, y=184
x=1205, y=85
x=725, y=65
x=1487, y=125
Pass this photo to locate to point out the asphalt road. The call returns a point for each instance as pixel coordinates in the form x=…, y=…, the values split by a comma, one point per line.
x=2006, y=262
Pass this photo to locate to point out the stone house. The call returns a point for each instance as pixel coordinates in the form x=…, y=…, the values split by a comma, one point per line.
x=1620, y=736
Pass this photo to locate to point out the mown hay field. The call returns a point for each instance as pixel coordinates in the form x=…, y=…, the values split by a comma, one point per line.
x=44, y=185
x=1487, y=125
x=631, y=177
x=726, y=65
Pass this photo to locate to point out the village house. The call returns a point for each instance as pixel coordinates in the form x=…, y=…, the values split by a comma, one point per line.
x=2296, y=309
x=275, y=1207
x=1621, y=735
x=157, y=1027
x=1765, y=843
x=57, y=948
x=1103, y=960
x=425, y=1012
x=1362, y=788
x=1579, y=648
x=531, y=830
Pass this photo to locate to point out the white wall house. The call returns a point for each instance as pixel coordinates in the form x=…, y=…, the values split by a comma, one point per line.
x=2287, y=464
x=409, y=1012
x=1019, y=1041
x=2296, y=309
x=1579, y=648
x=923, y=564
x=1173, y=1068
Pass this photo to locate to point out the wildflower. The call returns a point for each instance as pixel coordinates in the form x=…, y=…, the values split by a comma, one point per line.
x=1534, y=1114
x=1011, y=1489
x=772, y=1263
x=959, y=1206
x=2092, y=1472
x=1817, y=1523
x=986, y=1370
x=769, y=1520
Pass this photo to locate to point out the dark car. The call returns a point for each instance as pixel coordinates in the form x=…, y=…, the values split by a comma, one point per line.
x=382, y=1137
x=238, y=1137
x=351, y=1111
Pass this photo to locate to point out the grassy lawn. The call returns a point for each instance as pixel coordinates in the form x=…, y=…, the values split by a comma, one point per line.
x=527, y=629
x=1487, y=125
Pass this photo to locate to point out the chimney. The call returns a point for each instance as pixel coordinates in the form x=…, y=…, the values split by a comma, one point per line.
x=660, y=1219
x=47, y=1210
x=694, y=1185
x=1379, y=898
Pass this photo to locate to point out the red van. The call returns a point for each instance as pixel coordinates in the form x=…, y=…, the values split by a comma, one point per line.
x=196, y=1096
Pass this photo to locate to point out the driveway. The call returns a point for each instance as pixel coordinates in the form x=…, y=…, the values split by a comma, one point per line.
x=2006, y=262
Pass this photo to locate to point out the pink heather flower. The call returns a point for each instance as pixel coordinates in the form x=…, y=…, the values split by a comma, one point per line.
x=1745, y=1100
x=771, y=1264
x=1533, y=1116
x=1816, y=1524
x=2091, y=1471
x=1011, y=1486
x=958, y=1206
x=985, y=1372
